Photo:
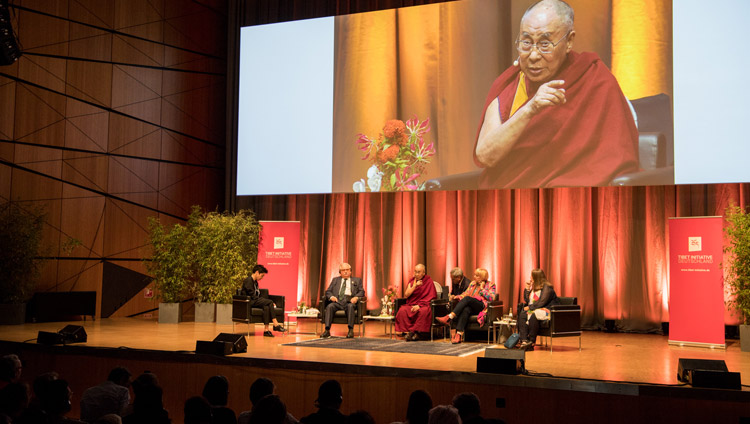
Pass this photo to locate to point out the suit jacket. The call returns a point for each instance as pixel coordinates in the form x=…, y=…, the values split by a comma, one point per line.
x=461, y=287
x=333, y=289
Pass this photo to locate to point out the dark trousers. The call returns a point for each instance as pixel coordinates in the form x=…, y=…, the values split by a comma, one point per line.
x=266, y=305
x=530, y=330
x=467, y=307
x=332, y=307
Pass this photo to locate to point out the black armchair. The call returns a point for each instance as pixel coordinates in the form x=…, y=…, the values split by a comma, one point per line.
x=494, y=312
x=564, y=321
x=339, y=317
x=242, y=312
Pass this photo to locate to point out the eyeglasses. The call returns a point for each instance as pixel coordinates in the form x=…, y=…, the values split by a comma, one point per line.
x=544, y=46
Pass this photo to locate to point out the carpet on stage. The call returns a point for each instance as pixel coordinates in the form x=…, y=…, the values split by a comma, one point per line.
x=381, y=345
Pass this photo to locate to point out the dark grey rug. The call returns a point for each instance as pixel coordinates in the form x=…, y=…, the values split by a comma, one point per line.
x=388, y=345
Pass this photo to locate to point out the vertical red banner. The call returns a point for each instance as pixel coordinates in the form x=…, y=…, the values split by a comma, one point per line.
x=696, y=294
x=279, y=253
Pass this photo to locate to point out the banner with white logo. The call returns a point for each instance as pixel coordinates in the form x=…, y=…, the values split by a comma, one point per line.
x=696, y=296
x=279, y=253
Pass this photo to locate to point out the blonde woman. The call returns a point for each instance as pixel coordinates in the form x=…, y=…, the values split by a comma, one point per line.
x=472, y=301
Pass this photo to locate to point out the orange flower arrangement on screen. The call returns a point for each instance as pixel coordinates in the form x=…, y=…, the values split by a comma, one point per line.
x=398, y=156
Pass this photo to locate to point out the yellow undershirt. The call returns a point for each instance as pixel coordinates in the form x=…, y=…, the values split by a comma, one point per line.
x=521, y=97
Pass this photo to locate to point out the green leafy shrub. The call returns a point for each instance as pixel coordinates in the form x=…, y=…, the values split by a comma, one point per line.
x=737, y=266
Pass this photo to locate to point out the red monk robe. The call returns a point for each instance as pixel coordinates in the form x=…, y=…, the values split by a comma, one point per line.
x=588, y=141
x=417, y=321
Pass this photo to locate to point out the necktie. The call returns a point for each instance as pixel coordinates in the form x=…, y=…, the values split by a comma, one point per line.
x=342, y=291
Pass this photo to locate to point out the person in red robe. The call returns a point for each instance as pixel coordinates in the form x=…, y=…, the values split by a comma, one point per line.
x=416, y=315
x=556, y=117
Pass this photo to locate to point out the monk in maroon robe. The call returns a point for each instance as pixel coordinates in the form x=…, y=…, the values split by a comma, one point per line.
x=416, y=315
x=556, y=117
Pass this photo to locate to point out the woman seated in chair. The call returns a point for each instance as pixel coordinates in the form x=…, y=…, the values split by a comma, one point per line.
x=473, y=301
x=537, y=297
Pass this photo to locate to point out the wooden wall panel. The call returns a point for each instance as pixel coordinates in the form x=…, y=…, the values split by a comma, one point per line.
x=83, y=127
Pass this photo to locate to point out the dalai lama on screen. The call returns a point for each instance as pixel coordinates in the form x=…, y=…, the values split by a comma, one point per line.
x=556, y=117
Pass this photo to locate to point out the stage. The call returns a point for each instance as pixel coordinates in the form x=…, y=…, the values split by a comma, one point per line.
x=636, y=372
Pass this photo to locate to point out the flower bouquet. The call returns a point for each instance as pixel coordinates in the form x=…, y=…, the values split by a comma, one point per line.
x=398, y=156
x=387, y=301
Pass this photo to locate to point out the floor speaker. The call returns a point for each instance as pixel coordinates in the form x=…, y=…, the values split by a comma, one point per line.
x=49, y=338
x=74, y=334
x=502, y=361
x=239, y=344
x=685, y=365
x=213, y=348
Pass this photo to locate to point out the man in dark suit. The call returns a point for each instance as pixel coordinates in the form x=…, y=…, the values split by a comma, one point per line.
x=343, y=293
x=459, y=283
x=250, y=288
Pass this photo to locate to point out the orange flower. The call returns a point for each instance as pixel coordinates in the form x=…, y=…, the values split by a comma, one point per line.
x=389, y=154
x=394, y=128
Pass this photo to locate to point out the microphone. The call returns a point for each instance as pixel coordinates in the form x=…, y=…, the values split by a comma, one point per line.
x=515, y=62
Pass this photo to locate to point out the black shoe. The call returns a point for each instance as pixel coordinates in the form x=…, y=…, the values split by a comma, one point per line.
x=409, y=337
x=267, y=334
x=280, y=328
x=350, y=334
x=326, y=334
x=415, y=337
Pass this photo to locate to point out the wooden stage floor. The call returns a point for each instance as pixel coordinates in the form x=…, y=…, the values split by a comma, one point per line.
x=612, y=357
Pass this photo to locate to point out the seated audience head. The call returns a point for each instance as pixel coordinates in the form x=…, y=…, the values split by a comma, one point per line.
x=216, y=390
x=55, y=397
x=418, y=410
x=109, y=419
x=481, y=274
x=10, y=369
x=360, y=417
x=260, y=387
x=197, y=411
x=120, y=376
x=14, y=398
x=467, y=404
x=539, y=279
x=330, y=395
x=444, y=414
x=259, y=271
x=268, y=410
x=148, y=393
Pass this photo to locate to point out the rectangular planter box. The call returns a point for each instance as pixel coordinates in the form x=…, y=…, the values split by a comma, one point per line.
x=12, y=313
x=205, y=312
x=224, y=313
x=170, y=313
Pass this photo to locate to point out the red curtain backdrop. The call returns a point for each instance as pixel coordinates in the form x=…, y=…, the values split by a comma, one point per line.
x=607, y=246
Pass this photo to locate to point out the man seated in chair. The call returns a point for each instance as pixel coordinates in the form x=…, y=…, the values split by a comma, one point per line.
x=415, y=315
x=343, y=293
x=459, y=282
x=250, y=288
x=556, y=117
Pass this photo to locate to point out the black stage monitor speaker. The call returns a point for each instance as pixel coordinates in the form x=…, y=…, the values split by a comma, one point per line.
x=239, y=344
x=685, y=365
x=708, y=373
x=49, y=338
x=74, y=334
x=213, y=348
x=502, y=361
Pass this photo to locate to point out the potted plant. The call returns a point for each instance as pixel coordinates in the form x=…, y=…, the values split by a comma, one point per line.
x=171, y=265
x=226, y=248
x=21, y=233
x=737, y=268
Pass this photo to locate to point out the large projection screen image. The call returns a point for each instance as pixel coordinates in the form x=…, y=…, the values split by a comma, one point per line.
x=420, y=98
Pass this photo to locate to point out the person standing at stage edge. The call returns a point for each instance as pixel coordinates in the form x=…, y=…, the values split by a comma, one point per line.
x=416, y=315
x=250, y=288
x=343, y=293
